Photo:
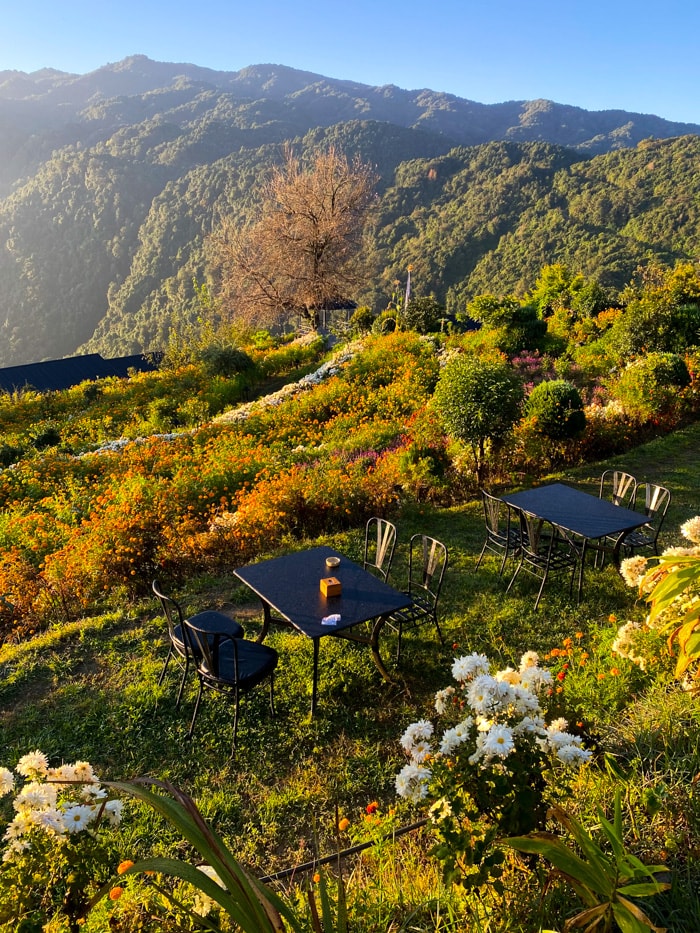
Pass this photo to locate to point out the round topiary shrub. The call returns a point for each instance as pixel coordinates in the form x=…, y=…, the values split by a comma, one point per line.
x=225, y=361
x=556, y=409
x=649, y=387
x=478, y=400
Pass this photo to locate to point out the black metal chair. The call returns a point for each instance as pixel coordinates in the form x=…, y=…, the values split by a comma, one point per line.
x=427, y=563
x=656, y=502
x=619, y=487
x=380, y=542
x=178, y=646
x=545, y=549
x=502, y=529
x=231, y=665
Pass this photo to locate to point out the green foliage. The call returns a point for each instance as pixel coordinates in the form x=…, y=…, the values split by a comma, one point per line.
x=226, y=361
x=649, y=387
x=607, y=884
x=422, y=314
x=478, y=400
x=556, y=409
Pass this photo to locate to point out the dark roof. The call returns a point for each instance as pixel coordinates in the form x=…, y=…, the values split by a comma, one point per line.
x=55, y=375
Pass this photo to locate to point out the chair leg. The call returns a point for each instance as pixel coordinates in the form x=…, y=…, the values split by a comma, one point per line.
x=165, y=666
x=481, y=557
x=437, y=626
x=272, y=694
x=196, y=710
x=182, y=683
x=398, y=646
x=503, y=562
x=235, y=718
x=512, y=579
x=541, y=589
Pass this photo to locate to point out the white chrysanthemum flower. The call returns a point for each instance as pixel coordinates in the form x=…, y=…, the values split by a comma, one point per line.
x=420, y=751
x=535, y=678
x=16, y=847
x=113, y=811
x=7, y=781
x=483, y=723
x=558, y=725
x=529, y=659
x=443, y=698
x=89, y=792
x=479, y=750
x=525, y=702
x=633, y=570
x=412, y=782
x=35, y=796
x=78, y=818
x=455, y=736
x=64, y=774
x=488, y=695
x=83, y=772
x=573, y=754
x=33, y=765
x=498, y=742
x=440, y=810
x=469, y=666
x=21, y=824
x=417, y=732
x=691, y=529
x=509, y=676
x=532, y=725
x=50, y=820
x=558, y=740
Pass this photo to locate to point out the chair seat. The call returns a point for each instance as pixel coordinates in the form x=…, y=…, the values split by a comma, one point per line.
x=422, y=607
x=255, y=663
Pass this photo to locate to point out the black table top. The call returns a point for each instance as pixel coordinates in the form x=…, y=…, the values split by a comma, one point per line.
x=576, y=511
x=291, y=586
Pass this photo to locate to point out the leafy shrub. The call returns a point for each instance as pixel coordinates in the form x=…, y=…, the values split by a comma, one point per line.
x=648, y=388
x=557, y=409
x=226, y=361
x=478, y=401
x=422, y=315
x=362, y=320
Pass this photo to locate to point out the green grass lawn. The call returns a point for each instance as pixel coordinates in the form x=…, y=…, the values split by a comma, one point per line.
x=89, y=691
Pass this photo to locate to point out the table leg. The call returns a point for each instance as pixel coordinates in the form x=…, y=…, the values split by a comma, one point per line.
x=266, y=622
x=374, y=645
x=314, y=683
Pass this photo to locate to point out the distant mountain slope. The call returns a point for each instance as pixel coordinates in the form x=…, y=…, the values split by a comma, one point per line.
x=110, y=181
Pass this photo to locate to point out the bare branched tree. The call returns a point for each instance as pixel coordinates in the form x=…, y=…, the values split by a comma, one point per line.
x=302, y=254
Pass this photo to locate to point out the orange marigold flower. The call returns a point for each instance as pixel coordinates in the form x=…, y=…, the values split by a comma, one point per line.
x=579, y=635
x=568, y=642
x=116, y=893
x=601, y=676
x=317, y=878
x=561, y=675
x=612, y=617
x=560, y=689
x=124, y=866
x=614, y=671
x=372, y=807
x=343, y=824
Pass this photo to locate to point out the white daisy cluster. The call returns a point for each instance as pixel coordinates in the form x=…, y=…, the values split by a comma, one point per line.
x=633, y=570
x=502, y=711
x=60, y=801
x=691, y=529
x=624, y=644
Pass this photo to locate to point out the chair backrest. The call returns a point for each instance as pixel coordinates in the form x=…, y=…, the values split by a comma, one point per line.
x=656, y=502
x=427, y=562
x=496, y=516
x=380, y=542
x=171, y=611
x=619, y=487
x=536, y=534
x=206, y=648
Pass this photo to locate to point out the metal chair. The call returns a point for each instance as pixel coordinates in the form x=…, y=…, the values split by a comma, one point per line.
x=656, y=502
x=178, y=646
x=502, y=529
x=427, y=563
x=619, y=487
x=231, y=665
x=545, y=549
x=380, y=542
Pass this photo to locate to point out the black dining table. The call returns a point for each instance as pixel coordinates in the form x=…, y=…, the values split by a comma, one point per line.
x=290, y=592
x=591, y=518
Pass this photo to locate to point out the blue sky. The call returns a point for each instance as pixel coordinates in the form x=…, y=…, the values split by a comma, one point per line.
x=593, y=54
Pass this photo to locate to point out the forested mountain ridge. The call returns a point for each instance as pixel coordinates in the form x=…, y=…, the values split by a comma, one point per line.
x=112, y=181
